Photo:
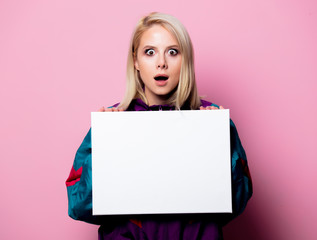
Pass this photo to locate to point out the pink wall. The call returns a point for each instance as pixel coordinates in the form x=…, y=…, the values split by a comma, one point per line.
x=60, y=60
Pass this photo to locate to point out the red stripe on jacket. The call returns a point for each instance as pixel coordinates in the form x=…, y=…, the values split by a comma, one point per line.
x=74, y=176
x=136, y=222
x=245, y=168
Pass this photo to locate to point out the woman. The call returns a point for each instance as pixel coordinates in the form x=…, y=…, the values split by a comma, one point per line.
x=160, y=76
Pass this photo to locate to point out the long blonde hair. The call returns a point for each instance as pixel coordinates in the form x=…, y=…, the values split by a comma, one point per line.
x=186, y=91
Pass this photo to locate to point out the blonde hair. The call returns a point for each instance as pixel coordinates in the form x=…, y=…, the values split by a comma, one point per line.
x=186, y=91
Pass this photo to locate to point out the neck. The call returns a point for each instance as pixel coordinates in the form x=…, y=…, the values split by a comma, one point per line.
x=156, y=99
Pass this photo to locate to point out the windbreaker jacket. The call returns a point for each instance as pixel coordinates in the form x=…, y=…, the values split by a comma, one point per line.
x=194, y=226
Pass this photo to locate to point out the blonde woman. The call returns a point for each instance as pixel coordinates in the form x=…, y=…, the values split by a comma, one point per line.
x=160, y=76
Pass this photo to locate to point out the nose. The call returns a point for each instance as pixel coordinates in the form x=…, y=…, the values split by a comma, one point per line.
x=161, y=61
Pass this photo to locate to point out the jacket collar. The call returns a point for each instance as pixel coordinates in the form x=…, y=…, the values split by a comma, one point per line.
x=138, y=105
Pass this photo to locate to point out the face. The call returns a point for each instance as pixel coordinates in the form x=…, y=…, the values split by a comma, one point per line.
x=159, y=63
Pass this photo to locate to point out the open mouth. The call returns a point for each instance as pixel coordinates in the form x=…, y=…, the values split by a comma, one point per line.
x=161, y=78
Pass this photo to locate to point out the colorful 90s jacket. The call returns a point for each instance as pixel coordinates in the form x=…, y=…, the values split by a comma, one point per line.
x=194, y=226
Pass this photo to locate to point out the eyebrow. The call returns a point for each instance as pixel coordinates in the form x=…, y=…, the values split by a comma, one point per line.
x=150, y=46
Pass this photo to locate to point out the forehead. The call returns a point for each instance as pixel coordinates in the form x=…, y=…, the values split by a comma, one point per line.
x=157, y=35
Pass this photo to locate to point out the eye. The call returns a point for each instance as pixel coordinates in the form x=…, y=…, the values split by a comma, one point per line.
x=173, y=52
x=149, y=52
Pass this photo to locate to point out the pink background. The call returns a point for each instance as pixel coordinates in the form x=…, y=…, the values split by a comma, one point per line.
x=60, y=60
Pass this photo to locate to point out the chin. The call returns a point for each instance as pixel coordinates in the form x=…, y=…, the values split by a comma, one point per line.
x=162, y=92
x=167, y=92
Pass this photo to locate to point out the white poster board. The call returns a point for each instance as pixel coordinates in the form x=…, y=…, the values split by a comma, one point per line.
x=155, y=162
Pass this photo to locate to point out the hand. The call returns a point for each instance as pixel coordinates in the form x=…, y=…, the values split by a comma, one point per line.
x=211, y=108
x=114, y=109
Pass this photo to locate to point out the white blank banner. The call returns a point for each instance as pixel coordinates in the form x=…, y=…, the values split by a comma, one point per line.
x=161, y=162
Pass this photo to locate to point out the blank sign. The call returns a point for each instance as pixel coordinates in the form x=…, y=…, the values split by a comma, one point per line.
x=158, y=162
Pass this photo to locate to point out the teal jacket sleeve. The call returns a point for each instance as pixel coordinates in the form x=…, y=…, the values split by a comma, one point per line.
x=241, y=178
x=242, y=189
x=79, y=186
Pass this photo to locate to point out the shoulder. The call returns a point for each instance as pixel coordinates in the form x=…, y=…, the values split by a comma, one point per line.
x=205, y=103
x=114, y=105
x=135, y=105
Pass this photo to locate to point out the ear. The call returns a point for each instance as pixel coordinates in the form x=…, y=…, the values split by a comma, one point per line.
x=136, y=63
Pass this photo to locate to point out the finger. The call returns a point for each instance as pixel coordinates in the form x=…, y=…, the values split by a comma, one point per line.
x=221, y=107
x=211, y=108
x=108, y=110
x=202, y=108
x=101, y=109
x=120, y=110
